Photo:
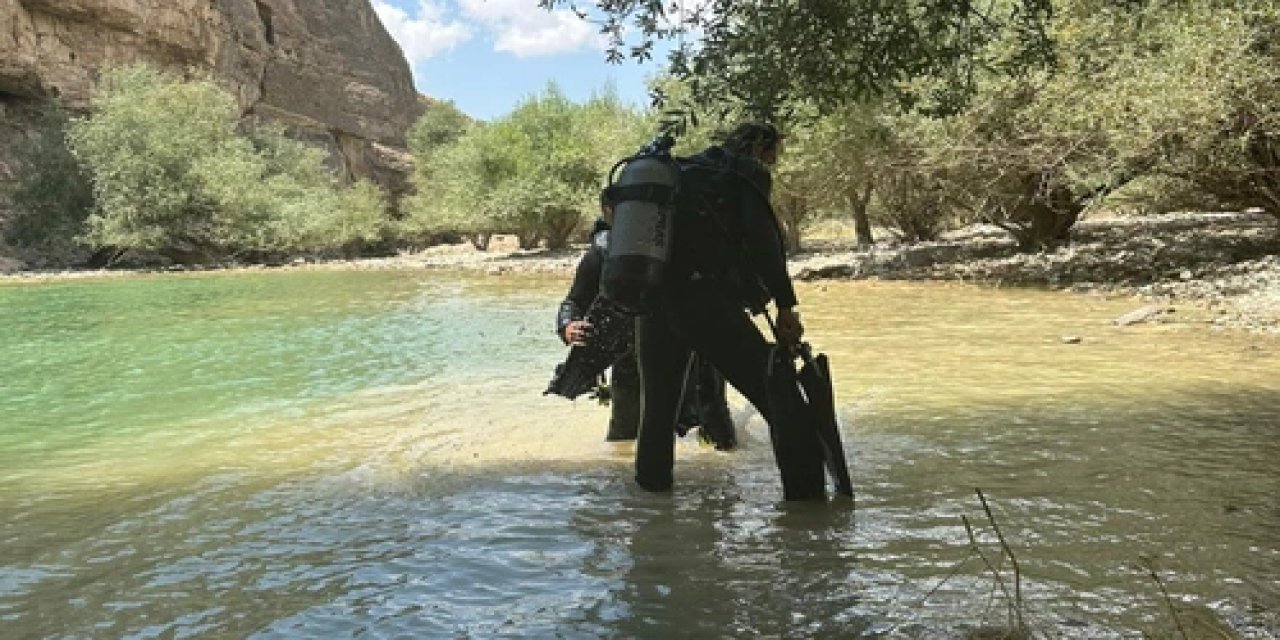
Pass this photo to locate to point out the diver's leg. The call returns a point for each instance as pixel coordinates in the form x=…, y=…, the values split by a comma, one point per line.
x=688, y=416
x=713, y=407
x=663, y=359
x=721, y=332
x=624, y=408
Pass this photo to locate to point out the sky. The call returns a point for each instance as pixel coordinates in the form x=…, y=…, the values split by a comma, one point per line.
x=488, y=55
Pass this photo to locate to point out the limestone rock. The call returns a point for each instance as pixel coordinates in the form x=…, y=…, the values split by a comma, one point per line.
x=325, y=68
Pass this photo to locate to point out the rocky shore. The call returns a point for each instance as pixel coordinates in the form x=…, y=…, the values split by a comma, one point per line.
x=1225, y=264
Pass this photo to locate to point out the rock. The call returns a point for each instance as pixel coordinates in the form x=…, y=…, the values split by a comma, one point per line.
x=1072, y=339
x=1145, y=314
x=325, y=68
x=826, y=271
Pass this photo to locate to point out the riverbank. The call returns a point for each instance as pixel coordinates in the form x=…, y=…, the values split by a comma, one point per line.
x=1224, y=265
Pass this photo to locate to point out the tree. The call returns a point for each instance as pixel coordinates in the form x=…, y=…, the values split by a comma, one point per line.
x=802, y=183
x=852, y=147
x=535, y=172
x=440, y=124
x=1033, y=153
x=825, y=53
x=1187, y=90
x=176, y=171
x=1218, y=107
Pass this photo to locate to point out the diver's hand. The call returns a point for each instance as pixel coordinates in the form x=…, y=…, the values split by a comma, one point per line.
x=577, y=332
x=788, y=328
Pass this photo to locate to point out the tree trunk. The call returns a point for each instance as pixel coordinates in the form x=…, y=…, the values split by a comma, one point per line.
x=861, y=222
x=528, y=240
x=560, y=226
x=790, y=212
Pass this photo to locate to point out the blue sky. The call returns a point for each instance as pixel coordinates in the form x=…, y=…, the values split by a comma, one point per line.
x=487, y=55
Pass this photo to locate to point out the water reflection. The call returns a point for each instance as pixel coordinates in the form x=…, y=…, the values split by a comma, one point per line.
x=707, y=562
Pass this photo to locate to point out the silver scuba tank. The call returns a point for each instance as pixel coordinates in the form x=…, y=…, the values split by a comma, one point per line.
x=643, y=196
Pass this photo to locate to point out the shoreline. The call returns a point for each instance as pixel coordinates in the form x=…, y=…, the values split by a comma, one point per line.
x=1225, y=264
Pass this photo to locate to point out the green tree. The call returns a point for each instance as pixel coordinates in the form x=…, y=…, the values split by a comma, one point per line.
x=1187, y=90
x=845, y=154
x=1216, y=110
x=535, y=172
x=440, y=124
x=770, y=55
x=176, y=171
x=149, y=145
x=1033, y=153
x=802, y=184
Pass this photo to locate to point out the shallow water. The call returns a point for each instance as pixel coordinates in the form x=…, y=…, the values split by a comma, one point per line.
x=367, y=454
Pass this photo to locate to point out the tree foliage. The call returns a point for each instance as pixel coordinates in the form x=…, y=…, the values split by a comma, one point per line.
x=176, y=171
x=770, y=55
x=535, y=173
x=1215, y=104
x=1163, y=88
x=440, y=124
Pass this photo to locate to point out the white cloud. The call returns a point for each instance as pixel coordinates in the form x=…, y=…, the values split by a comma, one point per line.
x=424, y=35
x=523, y=29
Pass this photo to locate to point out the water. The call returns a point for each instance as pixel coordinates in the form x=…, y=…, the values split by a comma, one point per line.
x=367, y=454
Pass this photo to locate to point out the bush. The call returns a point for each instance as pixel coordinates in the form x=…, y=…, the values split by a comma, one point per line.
x=176, y=171
x=535, y=173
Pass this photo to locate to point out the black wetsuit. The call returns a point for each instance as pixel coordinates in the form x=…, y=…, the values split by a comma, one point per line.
x=722, y=264
x=704, y=392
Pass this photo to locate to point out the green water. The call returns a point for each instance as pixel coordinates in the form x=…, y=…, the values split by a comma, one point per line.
x=332, y=454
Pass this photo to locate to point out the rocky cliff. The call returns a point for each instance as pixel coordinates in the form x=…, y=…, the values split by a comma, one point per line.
x=326, y=68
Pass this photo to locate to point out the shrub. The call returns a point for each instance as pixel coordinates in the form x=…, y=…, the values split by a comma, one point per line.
x=175, y=170
x=534, y=173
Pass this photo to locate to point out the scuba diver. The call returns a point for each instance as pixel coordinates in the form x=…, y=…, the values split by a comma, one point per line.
x=704, y=403
x=726, y=257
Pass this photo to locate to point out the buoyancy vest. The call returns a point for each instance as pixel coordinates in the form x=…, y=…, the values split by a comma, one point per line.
x=712, y=235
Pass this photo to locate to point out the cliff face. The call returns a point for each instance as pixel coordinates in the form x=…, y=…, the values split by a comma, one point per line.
x=326, y=68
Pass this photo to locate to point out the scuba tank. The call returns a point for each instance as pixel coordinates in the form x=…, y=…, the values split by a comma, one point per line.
x=643, y=194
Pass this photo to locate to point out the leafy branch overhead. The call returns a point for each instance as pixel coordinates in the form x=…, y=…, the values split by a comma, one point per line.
x=771, y=55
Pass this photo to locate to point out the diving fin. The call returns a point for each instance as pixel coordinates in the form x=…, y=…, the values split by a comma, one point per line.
x=815, y=381
x=797, y=450
x=803, y=425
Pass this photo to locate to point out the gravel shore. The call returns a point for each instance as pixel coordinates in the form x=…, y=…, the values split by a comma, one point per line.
x=1226, y=264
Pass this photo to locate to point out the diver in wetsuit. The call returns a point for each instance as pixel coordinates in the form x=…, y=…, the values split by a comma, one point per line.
x=704, y=405
x=727, y=258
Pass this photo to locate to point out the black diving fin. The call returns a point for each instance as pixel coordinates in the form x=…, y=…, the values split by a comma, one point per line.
x=612, y=335
x=815, y=381
x=803, y=426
